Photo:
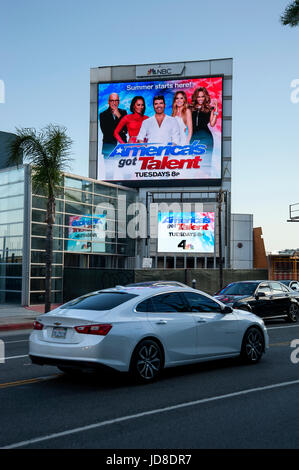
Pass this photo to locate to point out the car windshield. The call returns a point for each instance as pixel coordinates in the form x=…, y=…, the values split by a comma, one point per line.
x=99, y=301
x=239, y=288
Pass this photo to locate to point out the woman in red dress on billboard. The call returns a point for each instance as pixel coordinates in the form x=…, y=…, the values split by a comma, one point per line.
x=132, y=121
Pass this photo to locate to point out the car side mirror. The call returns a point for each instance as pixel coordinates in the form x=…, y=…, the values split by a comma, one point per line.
x=227, y=309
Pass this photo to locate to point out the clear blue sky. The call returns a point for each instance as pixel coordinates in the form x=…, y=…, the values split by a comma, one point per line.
x=48, y=48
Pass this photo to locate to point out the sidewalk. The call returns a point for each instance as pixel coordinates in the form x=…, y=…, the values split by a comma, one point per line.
x=15, y=317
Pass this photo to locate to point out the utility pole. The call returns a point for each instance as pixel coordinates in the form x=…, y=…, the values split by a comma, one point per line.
x=220, y=199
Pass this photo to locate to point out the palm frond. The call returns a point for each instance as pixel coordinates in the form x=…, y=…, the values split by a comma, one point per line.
x=48, y=151
x=27, y=146
x=58, y=146
x=291, y=14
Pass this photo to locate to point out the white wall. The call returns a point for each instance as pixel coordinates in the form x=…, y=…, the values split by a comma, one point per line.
x=242, y=233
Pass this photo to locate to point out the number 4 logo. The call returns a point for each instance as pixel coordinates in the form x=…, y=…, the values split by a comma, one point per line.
x=185, y=246
x=182, y=244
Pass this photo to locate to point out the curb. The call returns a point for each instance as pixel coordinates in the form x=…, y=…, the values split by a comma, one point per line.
x=17, y=326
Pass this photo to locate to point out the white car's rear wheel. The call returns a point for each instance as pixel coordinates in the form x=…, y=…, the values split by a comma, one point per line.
x=147, y=361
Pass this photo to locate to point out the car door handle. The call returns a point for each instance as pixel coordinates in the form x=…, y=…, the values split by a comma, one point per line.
x=161, y=322
x=201, y=320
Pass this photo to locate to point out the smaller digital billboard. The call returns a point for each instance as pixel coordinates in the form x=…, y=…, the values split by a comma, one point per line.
x=86, y=233
x=186, y=232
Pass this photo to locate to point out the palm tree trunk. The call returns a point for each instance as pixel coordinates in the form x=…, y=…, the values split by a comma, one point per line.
x=49, y=252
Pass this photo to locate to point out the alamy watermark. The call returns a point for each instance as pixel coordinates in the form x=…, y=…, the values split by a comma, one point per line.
x=295, y=353
x=136, y=220
x=2, y=92
x=295, y=92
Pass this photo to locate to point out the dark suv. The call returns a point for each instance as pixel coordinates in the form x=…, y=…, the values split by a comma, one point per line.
x=267, y=299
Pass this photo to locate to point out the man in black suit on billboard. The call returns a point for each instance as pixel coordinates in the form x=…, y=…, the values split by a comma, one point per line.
x=108, y=122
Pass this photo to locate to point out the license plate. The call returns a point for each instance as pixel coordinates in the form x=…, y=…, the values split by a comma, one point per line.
x=59, y=332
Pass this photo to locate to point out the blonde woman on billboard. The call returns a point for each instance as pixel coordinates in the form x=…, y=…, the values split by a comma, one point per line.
x=204, y=115
x=132, y=121
x=183, y=116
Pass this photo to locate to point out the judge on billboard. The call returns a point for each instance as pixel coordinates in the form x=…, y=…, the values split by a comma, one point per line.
x=109, y=119
x=160, y=128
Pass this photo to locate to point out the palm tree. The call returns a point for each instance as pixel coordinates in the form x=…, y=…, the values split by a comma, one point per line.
x=48, y=152
x=291, y=14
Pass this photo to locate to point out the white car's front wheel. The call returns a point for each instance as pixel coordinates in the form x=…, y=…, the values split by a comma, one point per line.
x=252, y=346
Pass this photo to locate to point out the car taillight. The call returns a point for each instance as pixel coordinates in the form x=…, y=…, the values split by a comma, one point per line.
x=101, y=330
x=37, y=325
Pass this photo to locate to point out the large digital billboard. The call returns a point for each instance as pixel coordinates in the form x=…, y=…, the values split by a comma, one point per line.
x=186, y=232
x=160, y=130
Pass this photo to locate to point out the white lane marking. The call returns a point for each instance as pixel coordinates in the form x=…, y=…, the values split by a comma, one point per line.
x=20, y=341
x=281, y=327
x=147, y=413
x=15, y=357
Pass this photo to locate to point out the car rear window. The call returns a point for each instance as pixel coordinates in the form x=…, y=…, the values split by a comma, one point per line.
x=239, y=288
x=99, y=301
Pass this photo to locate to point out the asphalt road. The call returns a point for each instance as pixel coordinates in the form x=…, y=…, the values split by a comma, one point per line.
x=216, y=405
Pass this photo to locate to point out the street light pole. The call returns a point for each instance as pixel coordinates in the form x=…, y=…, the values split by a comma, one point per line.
x=220, y=198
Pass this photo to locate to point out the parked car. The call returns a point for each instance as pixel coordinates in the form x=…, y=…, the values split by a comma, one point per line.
x=143, y=330
x=293, y=287
x=267, y=299
x=291, y=284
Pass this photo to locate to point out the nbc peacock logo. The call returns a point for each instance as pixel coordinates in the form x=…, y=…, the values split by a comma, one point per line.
x=159, y=71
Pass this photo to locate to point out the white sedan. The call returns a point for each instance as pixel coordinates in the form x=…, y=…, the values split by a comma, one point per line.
x=142, y=330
